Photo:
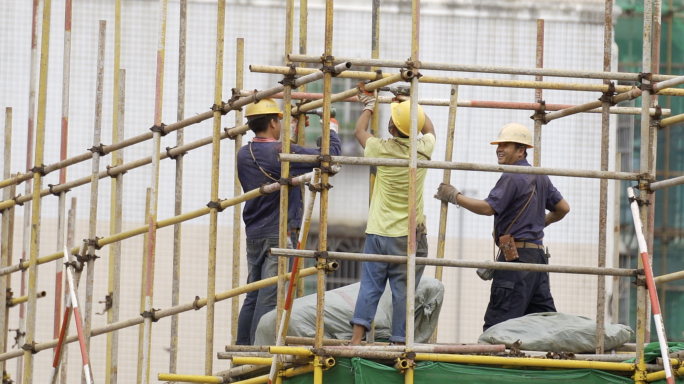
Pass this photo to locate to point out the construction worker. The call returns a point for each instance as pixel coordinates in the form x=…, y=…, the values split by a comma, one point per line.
x=519, y=203
x=388, y=218
x=258, y=164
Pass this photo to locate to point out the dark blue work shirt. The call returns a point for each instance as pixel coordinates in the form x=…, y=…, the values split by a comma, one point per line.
x=262, y=214
x=510, y=195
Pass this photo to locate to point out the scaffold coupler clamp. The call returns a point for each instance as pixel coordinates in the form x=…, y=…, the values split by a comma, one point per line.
x=109, y=172
x=30, y=347
x=21, y=265
x=150, y=314
x=646, y=80
x=75, y=264
x=220, y=108
x=93, y=242
x=640, y=372
x=608, y=95
x=290, y=77
x=173, y=157
x=640, y=279
x=39, y=169
x=234, y=98
x=108, y=304
x=99, y=149
x=328, y=65
x=159, y=128
x=655, y=119
x=540, y=114
x=16, y=200
x=51, y=186
x=216, y=204
x=407, y=74
x=195, y=303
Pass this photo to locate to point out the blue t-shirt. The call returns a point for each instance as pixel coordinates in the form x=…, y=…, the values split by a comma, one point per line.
x=262, y=214
x=510, y=195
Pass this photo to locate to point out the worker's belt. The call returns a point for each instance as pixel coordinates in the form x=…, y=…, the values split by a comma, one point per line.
x=527, y=244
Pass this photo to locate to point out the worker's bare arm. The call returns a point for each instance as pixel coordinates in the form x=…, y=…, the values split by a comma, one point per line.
x=361, y=131
x=428, y=127
x=562, y=209
x=480, y=207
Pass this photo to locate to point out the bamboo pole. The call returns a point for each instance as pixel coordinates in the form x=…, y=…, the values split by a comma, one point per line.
x=477, y=68
x=143, y=281
x=27, y=376
x=446, y=179
x=115, y=209
x=154, y=195
x=463, y=263
x=178, y=201
x=94, y=190
x=603, y=186
x=468, y=167
x=237, y=189
x=61, y=205
x=5, y=256
x=538, y=94
x=214, y=202
x=30, y=132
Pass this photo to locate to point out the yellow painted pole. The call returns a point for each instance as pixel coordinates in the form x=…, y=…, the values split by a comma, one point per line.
x=214, y=203
x=252, y=360
x=5, y=256
x=37, y=182
x=175, y=378
x=525, y=362
x=144, y=230
x=375, y=118
x=301, y=129
x=237, y=189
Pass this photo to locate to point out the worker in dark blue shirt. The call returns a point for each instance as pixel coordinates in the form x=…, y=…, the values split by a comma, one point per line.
x=519, y=203
x=258, y=164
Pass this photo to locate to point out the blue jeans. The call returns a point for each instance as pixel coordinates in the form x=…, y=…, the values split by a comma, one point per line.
x=374, y=278
x=257, y=303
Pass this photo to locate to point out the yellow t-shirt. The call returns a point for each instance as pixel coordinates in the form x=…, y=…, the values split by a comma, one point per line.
x=388, y=214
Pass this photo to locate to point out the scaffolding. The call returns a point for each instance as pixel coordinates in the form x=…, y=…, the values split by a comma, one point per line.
x=318, y=354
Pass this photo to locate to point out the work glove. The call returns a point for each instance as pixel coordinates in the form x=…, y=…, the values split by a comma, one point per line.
x=368, y=99
x=448, y=193
x=334, y=126
x=294, y=129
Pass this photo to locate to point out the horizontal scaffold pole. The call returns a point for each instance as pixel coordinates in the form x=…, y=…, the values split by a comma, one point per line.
x=166, y=129
x=478, y=68
x=353, y=160
x=474, y=103
x=461, y=263
x=101, y=242
x=525, y=362
x=666, y=183
x=161, y=313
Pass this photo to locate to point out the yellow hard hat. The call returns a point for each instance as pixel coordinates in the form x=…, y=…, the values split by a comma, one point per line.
x=514, y=133
x=263, y=107
x=401, y=115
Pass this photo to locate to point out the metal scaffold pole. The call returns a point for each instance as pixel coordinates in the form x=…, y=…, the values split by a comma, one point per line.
x=237, y=189
x=214, y=203
x=301, y=118
x=143, y=282
x=5, y=256
x=157, y=129
x=539, y=114
x=178, y=200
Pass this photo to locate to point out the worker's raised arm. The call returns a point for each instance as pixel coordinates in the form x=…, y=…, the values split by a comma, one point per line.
x=361, y=130
x=561, y=209
x=428, y=127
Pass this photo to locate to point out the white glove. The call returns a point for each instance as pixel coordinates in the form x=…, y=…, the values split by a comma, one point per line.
x=294, y=129
x=334, y=125
x=367, y=100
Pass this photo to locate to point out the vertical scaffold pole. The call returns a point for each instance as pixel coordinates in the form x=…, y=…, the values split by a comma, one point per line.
x=94, y=188
x=375, y=117
x=143, y=284
x=642, y=318
x=4, y=235
x=10, y=248
x=28, y=186
x=157, y=129
x=412, y=193
x=237, y=208
x=71, y=230
x=539, y=59
x=178, y=200
x=301, y=127
x=323, y=216
x=114, y=213
x=603, y=188
x=61, y=205
x=38, y=183
x=214, y=205
x=446, y=179
x=285, y=166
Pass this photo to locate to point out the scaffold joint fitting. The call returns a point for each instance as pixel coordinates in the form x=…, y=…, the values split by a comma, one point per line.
x=159, y=128
x=290, y=78
x=51, y=186
x=607, y=96
x=40, y=170
x=314, y=187
x=378, y=74
x=195, y=303
x=411, y=355
x=78, y=267
x=234, y=98
x=215, y=204
x=639, y=201
x=321, y=254
x=219, y=108
x=285, y=181
x=86, y=258
x=150, y=314
x=109, y=173
x=30, y=347
x=408, y=74
x=17, y=335
x=99, y=149
x=93, y=242
x=21, y=265
x=640, y=281
x=655, y=120
x=648, y=77
x=413, y=64
x=16, y=200
x=173, y=157
x=108, y=302
x=325, y=158
x=540, y=114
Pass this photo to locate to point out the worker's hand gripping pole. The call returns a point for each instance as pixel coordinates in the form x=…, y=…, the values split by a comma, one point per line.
x=289, y=299
x=650, y=283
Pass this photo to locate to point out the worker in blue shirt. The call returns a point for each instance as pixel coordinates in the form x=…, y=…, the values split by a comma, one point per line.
x=519, y=203
x=258, y=164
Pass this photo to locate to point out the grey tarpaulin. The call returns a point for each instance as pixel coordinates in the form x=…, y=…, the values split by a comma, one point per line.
x=555, y=332
x=339, y=309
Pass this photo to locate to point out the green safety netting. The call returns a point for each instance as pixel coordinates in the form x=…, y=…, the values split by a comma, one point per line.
x=652, y=351
x=360, y=371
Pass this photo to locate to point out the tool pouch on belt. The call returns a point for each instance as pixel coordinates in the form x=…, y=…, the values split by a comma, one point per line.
x=507, y=246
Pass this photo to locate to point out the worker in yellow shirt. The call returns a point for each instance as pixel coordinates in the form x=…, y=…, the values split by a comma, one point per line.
x=388, y=218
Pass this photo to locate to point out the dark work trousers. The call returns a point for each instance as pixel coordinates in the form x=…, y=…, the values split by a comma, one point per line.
x=519, y=293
